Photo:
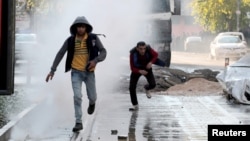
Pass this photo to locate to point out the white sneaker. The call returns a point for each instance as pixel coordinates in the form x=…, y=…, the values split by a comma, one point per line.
x=148, y=94
x=135, y=108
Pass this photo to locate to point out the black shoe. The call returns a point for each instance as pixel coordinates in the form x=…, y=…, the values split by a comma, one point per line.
x=91, y=109
x=77, y=127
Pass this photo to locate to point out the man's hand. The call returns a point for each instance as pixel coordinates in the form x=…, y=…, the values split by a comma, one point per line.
x=91, y=65
x=49, y=77
x=143, y=72
x=149, y=65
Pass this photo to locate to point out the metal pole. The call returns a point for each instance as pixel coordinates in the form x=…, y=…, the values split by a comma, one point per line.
x=238, y=12
x=226, y=62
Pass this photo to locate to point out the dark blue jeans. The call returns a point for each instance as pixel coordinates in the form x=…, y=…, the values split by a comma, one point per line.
x=134, y=77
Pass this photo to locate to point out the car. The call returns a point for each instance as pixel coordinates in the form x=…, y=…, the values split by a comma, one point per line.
x=227, y=46
x=193, y=43
x=235, y=80
x=240, y=34
x=25, y=45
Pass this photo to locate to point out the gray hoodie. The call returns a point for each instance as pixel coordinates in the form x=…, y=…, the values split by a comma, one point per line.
x=96, y=51
x=80, y=20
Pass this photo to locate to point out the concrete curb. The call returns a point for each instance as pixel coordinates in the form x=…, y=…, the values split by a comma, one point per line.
x=5, y=131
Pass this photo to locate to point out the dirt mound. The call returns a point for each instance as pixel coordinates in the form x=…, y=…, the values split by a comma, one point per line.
x=196, y=86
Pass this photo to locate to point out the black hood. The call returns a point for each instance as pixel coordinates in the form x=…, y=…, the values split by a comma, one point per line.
x=80, y=20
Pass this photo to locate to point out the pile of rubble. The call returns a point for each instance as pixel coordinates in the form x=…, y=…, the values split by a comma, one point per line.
x=178, y=82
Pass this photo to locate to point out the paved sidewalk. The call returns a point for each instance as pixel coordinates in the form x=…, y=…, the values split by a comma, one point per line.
x=160, y=118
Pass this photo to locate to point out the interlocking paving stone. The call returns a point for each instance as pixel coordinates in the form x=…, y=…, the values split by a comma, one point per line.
x=172, y=118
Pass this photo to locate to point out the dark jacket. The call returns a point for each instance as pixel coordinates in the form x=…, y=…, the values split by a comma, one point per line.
x=138, y=62
x=95, y=48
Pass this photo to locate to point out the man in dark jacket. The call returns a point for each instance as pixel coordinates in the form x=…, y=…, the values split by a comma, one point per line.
x=84, y=50
x=142, y=57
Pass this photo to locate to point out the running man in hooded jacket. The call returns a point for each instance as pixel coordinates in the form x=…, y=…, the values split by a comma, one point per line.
x=84, y=50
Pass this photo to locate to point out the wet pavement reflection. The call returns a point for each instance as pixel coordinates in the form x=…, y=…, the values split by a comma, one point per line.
x=157, y=125
x=171, y=118
x=163, y=117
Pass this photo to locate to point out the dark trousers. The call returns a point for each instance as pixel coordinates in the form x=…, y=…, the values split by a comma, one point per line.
x=134, y=77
